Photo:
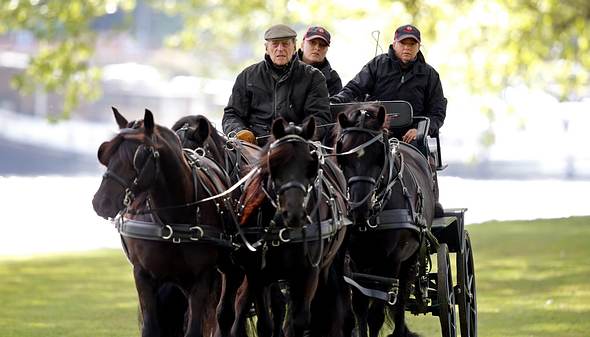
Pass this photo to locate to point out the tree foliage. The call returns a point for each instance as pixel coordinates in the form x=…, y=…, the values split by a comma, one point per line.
x=66, y=44
x=485, y=45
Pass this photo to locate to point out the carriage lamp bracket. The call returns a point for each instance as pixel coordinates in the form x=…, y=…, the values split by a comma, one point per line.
x=199, y=233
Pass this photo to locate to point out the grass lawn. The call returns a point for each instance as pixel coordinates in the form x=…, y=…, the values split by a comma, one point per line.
x=533, y=279
x=83, y=295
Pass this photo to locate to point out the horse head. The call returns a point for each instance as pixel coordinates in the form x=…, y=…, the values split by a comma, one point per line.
x=361, y=151
x=193, y=131
x=292, y=166
x=135, y=159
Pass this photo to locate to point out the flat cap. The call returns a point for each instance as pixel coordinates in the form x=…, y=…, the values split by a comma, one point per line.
x=278, y=32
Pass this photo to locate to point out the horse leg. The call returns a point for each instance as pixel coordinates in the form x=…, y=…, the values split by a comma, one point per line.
x=376, y=315
x=302, y=294
x=172, y=306
x=401, y=329
x=331, y=307
x=264, y=321
x=225, y=308
x=147, y=289
x=243, y=302
x=278, y=304
x=200, y=293
x=360, y=306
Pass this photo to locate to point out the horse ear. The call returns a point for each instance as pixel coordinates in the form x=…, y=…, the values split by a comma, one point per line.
x=343, y=121
x=278, y=128
x=381, y=115
x=101, y=154
x=121, y=121
x=148, y=122
x=309, y=128
x=203, y=128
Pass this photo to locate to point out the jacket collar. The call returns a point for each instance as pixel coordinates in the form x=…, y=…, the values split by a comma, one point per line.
x=280, y=71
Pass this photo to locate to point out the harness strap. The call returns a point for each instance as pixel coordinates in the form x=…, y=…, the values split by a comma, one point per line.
x=177, y=233
x=388, y=296
x=395, y=219
x=312, y=232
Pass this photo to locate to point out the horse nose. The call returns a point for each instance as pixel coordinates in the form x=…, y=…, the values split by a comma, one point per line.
x=361, y=215
x=103, y=207
x=293, y=219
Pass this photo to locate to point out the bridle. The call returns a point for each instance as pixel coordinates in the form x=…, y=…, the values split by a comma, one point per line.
x=181, y=133
x=381, y=187
x=140, y=179
x=313, y=189
x=291, y=184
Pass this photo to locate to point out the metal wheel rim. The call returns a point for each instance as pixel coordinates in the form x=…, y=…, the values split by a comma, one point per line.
x=446, y=294
x=467, y=297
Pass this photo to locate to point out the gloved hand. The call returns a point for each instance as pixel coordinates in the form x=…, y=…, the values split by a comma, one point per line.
x=247, y=136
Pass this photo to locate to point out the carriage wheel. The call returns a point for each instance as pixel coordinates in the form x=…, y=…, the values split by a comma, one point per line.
x=446, y=295
x=466, y=295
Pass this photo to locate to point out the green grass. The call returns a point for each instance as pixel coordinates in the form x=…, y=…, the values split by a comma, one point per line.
x=89, y=294
x=533, y=279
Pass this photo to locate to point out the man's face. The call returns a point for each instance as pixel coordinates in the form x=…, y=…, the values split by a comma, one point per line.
x=406, y=49
x=280, y=51
x=314, y=51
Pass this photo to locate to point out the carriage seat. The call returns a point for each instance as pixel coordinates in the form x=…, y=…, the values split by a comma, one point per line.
x=402, y=115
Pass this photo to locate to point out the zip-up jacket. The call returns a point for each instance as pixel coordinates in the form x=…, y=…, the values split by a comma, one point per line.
x=261, y=95
x=384, y=79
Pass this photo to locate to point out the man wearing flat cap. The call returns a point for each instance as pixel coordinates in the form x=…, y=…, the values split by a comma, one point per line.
x=278, y=86
x=401, y=74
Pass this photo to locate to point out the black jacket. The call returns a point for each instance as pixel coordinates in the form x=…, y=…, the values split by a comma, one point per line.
x=257, y=98
x=332, y=78
x=384, y=79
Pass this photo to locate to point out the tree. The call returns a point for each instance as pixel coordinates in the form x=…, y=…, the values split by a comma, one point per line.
x=66, y=44
x=486, y=44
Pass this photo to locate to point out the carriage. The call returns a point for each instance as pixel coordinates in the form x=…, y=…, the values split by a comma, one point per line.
x=433, y=292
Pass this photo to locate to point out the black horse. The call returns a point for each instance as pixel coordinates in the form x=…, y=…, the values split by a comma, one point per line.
x=237, y=157
x=172, y=229
x=292, y=212
x=391, y=203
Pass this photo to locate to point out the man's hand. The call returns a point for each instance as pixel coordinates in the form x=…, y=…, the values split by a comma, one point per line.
x=247, y=136
x=410, y=135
